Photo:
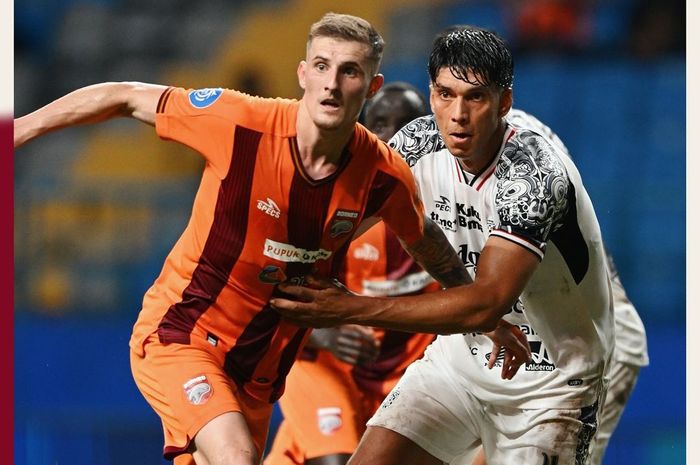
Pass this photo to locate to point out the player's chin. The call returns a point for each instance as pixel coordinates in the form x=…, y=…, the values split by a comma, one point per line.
x=460, y=151
x=329, y=123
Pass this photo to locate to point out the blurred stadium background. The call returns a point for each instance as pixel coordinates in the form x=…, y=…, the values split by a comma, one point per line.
x=97, y=209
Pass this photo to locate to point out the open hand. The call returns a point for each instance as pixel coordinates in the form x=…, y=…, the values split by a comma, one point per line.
x=517, y=349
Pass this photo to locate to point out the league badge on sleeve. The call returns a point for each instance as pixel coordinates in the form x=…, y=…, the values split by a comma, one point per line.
x=203, y=98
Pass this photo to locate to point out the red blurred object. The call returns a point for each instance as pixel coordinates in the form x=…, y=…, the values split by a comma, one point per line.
x=552, y=24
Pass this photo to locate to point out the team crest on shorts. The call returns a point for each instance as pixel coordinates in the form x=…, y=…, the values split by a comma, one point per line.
x=198, y=390
x=329, y=420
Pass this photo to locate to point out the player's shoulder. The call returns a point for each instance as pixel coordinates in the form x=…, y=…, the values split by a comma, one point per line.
x=368, y=146
x=520, y=119
x=375, y=155
x=528, y=153
x=417, y=139
x=531, y=188
x=257, y=113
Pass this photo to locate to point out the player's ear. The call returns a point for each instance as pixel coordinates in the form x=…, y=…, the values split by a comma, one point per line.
x=375, y=84
x=505, y=102
x=431, y=93
x=301, y=74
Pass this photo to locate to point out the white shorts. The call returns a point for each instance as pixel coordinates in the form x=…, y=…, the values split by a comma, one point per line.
x=623, y=378
x=431, y=410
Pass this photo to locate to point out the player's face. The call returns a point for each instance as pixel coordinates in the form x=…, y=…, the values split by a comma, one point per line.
x=336, y=78
x=469, y=116
x=388, y=115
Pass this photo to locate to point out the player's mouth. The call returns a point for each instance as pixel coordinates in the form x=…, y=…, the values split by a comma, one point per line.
x=330, y=104
x=461, y=137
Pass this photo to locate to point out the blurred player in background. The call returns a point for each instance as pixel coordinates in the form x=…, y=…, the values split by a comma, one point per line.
x=344, y=373
x=285, y=186
x=630, y=353
x=514, y=207
x=629, y=356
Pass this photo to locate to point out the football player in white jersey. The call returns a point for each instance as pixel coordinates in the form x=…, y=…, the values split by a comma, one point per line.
x=422, y=137
x=511, y=203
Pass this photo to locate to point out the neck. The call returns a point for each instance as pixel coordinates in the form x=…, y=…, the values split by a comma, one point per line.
x=320, y=149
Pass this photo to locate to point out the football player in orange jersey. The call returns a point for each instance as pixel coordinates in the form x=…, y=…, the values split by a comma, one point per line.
x=286, y=184
x=344, y=373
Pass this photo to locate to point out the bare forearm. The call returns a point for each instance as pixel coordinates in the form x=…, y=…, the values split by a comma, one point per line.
x=88, y=105
x=456, y=310
x=437, y=256
x=504, y=270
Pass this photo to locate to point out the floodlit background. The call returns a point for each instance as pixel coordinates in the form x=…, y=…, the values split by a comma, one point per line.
x=97, y=209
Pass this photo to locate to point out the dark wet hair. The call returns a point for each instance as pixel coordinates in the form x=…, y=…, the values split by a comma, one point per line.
x=469, y=48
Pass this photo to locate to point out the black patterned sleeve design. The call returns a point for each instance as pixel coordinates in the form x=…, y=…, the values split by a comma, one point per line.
x=418, y=138
x=532, y=189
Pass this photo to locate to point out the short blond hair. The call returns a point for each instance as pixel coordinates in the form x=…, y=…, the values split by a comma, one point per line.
x=350, y=28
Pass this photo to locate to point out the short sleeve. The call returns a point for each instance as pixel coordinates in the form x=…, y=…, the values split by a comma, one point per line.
x=532, y=192
x=418, y=138
x=202, y=119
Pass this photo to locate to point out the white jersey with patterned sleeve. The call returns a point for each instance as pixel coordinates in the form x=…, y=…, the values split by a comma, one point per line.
x=531, y=194
x=630, y=335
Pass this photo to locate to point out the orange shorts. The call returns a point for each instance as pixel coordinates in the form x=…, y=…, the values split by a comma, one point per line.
x=324, y=412
x=187, y=387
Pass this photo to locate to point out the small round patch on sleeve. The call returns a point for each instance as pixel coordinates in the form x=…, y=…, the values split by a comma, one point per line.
x=203, y=98
x=198, y=390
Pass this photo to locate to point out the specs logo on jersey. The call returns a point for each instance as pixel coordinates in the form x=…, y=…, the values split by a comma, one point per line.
x=272, y=275
x=202, y=98
x=366, y=252
x=269, y=207
x=198, y=390
x=443, y=204
x=329, y=420
x=288, y=253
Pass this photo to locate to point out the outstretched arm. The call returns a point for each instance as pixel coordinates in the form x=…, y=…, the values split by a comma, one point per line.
x=504, y=270
x=91, y=104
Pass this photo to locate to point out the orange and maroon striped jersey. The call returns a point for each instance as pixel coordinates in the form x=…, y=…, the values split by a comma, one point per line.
x=257, y=220
x=376, y=264
x=388, y=272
